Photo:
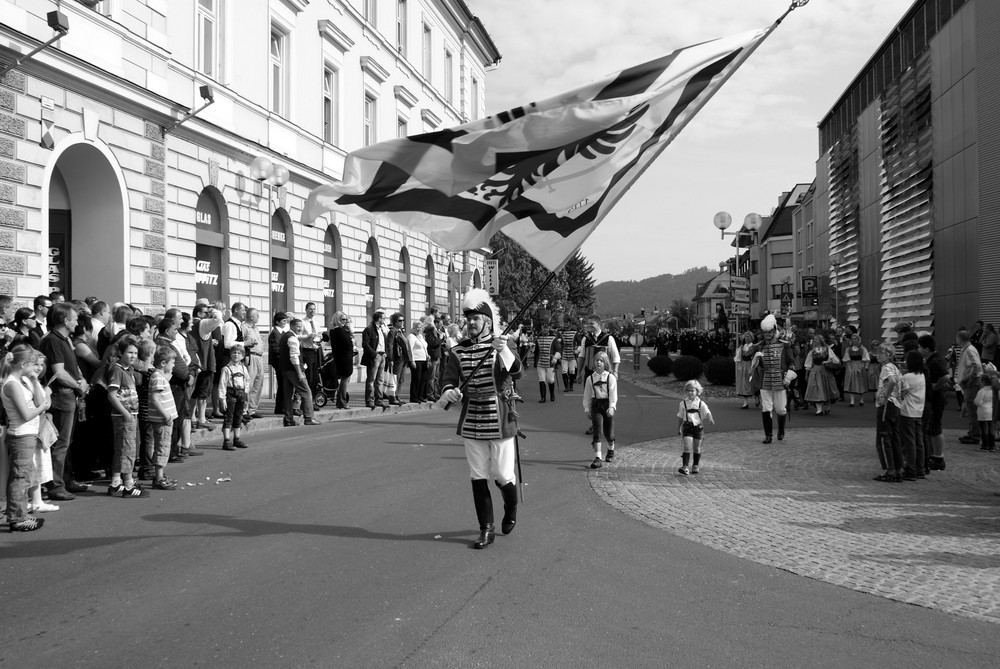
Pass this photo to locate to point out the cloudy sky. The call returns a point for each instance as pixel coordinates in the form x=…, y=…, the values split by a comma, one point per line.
x=755, y=139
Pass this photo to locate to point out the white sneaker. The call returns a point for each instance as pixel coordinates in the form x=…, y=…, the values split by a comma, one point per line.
x=43, y=508
x=684, y=470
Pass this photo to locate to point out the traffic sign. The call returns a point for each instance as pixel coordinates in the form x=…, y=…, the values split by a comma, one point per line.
x=740, y=308
x=635, y=339
x=741, y=295
x=741, y=282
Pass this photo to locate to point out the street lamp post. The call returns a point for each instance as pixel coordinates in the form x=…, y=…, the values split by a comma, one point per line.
x=752, y=223
x=835, y=261
x=786, y=290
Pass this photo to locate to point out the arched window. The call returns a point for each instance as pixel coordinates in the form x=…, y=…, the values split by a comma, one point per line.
x=429, y=285
x=332, y=250
x=477, y=279
x=372, y=273
x=211, y=255
x=404, y=284
x=281, y=260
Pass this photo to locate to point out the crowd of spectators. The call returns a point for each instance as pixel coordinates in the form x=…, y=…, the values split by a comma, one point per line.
x=96, y=392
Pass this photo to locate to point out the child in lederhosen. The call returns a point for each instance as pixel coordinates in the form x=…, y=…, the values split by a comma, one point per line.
x=691, y=416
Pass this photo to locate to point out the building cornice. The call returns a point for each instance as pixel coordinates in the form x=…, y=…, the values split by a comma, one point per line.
x=329, y=31
x=405, y=96
x=371, y=67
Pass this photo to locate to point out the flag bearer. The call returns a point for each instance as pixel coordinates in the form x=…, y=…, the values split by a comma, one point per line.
x=488, y=420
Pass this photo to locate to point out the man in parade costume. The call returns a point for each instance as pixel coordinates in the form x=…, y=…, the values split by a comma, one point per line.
x=550, y=348
x=771, y=372
x=488, y=420
x=569, y=344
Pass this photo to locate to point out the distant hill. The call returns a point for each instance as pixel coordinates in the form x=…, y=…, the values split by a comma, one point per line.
x=618, y=297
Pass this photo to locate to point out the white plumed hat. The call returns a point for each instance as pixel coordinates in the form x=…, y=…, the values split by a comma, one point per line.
x=769, y=323
x=478, y=301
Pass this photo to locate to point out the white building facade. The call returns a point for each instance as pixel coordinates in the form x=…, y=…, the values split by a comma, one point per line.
x=103, y=193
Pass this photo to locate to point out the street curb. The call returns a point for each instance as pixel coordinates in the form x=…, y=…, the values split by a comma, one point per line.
x=276, y=421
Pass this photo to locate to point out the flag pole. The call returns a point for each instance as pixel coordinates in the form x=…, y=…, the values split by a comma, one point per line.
x=489, y=353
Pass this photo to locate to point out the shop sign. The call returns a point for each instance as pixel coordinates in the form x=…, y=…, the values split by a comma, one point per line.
x=206, y=213
x=204, y=274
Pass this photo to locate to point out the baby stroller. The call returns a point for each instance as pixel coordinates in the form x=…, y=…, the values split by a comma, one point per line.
x=328, y=382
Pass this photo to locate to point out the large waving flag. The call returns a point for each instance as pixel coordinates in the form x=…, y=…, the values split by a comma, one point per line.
x=545, y=174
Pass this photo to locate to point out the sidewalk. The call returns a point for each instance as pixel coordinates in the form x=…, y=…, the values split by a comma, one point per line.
x=271, y=421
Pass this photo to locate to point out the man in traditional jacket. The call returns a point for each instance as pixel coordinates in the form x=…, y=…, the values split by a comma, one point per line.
x=549, y=361
x=771, y=372
x=488, y=420
x=570, y=340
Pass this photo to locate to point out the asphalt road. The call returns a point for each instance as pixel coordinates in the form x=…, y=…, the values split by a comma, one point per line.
x=347, y=545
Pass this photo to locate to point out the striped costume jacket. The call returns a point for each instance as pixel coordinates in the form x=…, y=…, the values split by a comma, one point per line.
x=487, y=400
x=548, y=346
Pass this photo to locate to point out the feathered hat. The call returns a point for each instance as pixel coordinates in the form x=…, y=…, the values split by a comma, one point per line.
x=478, y=301
x=769, y=323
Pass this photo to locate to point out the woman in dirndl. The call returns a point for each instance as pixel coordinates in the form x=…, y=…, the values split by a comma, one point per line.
x=821, y=388
x=856, y=362
x=744, y=360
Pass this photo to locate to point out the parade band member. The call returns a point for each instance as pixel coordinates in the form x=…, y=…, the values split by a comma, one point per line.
x=549, y=360
x=569, y=344
x=487, y=422
x=771, y=374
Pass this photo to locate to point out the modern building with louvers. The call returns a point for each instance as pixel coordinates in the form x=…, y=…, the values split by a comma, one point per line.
x=161, y=150
x=904, y=201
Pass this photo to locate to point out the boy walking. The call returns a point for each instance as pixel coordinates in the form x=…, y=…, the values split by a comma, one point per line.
x=233, y=398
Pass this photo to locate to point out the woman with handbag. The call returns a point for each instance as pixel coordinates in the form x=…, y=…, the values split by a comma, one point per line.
x=821, y=363
x=24, y=400
x=343, y=350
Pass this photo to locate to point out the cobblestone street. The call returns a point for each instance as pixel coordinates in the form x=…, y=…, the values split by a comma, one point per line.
x=809, y=505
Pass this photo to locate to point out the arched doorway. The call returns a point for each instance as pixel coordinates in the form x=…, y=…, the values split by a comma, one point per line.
x=281, y=260
x=373, y=284
x=212, y=220
x=86, y=218
x=404, y=284
x=331, y=274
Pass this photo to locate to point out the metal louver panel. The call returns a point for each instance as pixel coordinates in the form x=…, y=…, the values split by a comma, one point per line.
x=906, y=239
x=845, y=216
x=988, y=153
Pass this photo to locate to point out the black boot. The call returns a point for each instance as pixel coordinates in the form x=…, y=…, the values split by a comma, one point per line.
x=768, y=426
x=552, y=392
x=484, y=512
x=509, y=493
x=572, y=380
x=541, y=389
x=781, y=427
x=566, y=384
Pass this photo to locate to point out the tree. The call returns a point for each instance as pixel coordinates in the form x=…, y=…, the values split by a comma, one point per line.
x=682, y=309
x=520, y=276
x=580, y=285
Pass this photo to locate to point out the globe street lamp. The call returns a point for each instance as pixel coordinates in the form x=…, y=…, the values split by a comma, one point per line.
x=751, y=223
